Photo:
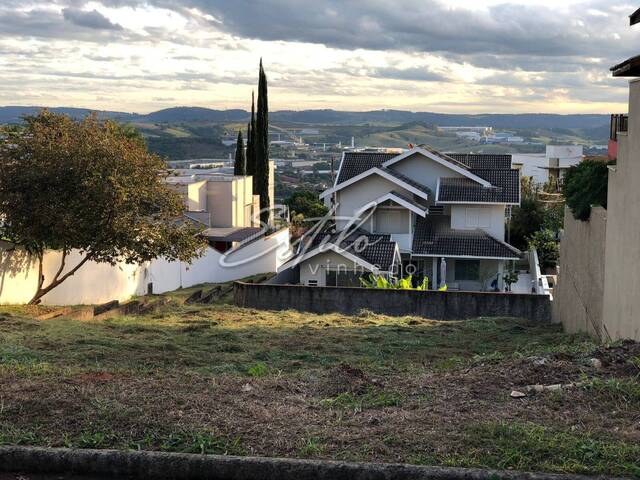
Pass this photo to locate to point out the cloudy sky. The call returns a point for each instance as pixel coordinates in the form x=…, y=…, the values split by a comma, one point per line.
x=423, y=55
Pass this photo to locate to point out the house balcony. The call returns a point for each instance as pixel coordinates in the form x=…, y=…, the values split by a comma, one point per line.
x=619, y=124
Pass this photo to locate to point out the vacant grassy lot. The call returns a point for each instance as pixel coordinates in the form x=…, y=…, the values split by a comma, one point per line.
x=220, y=379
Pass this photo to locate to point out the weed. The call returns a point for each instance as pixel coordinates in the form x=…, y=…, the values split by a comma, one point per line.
x=258, y=370
x=621, y=391
x=312, y=447
x=373, y=398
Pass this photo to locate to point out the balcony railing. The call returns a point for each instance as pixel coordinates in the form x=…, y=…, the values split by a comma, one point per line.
x=619, y=123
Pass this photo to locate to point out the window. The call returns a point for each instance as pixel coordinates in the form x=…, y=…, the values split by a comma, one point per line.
x=467, y=270
x=312, y=283
x=392, y=220
x=477, y=217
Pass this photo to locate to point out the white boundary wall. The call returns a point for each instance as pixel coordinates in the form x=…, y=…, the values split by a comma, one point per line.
x=100, y=282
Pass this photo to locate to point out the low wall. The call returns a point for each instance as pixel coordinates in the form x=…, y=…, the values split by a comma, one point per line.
x=100, y=282
x=578, y=295
x=428, y=304
x=185, y=466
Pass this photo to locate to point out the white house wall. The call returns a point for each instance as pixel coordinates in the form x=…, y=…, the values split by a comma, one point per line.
x=424, y=170
x=92, y=283
x=99, y=282
x=490, y=219
x=264, y=255
x=316, y=267
x=355, y=196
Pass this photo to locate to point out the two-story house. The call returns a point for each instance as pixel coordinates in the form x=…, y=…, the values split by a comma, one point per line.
x=420, y=212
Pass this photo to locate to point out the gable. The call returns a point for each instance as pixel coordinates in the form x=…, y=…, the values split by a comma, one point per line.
x=424, y=170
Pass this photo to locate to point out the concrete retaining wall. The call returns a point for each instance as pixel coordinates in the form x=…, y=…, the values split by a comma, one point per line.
x=578, y=296
x=428, y=304
x=155, y=465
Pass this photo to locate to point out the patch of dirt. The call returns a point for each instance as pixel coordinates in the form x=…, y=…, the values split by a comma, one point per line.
x=344, y=378
x=616, y=359
x=95, y=377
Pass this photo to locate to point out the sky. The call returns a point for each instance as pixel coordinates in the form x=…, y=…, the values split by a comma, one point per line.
x=456, y=56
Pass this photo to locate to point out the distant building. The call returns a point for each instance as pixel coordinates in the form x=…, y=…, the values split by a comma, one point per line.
x=481, y=130
x=552, y=164
x=221, y=202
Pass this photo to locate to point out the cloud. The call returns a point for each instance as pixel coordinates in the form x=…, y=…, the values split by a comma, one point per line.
x=68, y=24
x=89, y=19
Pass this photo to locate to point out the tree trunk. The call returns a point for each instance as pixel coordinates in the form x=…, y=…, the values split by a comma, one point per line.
x=57, y=280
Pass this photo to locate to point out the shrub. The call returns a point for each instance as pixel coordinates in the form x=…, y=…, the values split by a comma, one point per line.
x=585, y=185
x=545, y=243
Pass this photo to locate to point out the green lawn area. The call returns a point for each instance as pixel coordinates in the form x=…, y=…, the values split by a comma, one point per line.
x=221, y=379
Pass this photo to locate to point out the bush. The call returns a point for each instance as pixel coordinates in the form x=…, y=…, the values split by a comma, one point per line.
x=585, y=185
x=544, y=241
x=525, y=221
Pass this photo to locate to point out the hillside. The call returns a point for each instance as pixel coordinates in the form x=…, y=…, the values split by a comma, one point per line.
x=221, y=379
x=12, y=114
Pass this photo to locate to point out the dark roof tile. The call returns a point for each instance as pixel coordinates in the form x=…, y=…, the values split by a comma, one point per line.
x=434, y=237
x=483, y=160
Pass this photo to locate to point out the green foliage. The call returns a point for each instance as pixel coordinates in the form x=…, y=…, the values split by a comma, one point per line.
x=306, y=203
x=525, y=221
x=258, y=370
x=240, y=164
x=261, y=146
x=382, y=282
x=553, y=217
x=585, y=185
x=544, y=241
x=624, y=392
x=372, y=398
x=91, y=186
x=510, y=278
x=528, y=446
x=251, y=148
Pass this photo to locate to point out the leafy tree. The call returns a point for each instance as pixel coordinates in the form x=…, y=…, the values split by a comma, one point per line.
x=251, y=147
x=306, y=203
x=553, y=217
x=544, y=241
x=525, y=221
x=261, y=146
x=585, y=184
x=90, y=186
x=240, y=164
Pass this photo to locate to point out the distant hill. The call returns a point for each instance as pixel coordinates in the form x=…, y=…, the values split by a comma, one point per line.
x=14, y=114
x=335, y=117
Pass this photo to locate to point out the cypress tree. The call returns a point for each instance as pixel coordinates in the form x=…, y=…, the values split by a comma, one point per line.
x=251, y=146
x=261, y=147
x=240, y=165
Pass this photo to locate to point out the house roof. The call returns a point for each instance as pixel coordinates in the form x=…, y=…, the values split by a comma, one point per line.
x=505, y=188
x=375, y=249
x=483, y=160
x=405, y=179
x=628, y=68
x=399, y=199
x=230, y=234
x=434, y=238
x=391, y=175
x=487, y=178
x=464, y=190
x=355, y=163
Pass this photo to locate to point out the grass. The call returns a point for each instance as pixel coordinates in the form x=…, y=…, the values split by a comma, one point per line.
x=225, y=380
